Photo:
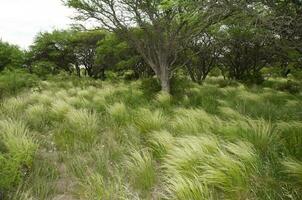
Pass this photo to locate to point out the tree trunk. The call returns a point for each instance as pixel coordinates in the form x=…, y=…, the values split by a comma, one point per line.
x=165, y=79
x=102, y=74
x=163, y=74
x=78, y=69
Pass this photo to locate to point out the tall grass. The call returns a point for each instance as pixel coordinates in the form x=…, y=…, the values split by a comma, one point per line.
x=17, y=151
x=59, y=109
x=141, y=170
x=79, y=127
x=147, y=121
x=37, y=116
x=293, y=168
x=221, y=140
x=119, y=113
x=226, y=168
x=160, y=142
x=192, y=121
x=13, y=107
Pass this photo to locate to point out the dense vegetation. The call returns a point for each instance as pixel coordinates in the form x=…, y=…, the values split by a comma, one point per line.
x=169, y=99
x=73, y=138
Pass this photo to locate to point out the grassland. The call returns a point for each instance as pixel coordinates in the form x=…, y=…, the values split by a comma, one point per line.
x=72, y=138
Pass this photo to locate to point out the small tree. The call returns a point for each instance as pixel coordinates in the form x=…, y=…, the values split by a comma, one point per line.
x=163, y=26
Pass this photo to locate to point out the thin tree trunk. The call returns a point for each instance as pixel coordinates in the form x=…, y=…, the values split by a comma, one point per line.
x=78, y=69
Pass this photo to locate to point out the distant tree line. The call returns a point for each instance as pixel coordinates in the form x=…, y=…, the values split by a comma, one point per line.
x=158, y=38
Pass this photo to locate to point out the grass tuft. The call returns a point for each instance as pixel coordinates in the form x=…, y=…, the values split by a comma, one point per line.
x=16, y=153
x=80, y=127
x=141, y=170
x=119, y=113
x=147, y=121
x=293, y=168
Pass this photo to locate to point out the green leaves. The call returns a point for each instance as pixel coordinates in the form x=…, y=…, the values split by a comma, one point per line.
x=10, y=56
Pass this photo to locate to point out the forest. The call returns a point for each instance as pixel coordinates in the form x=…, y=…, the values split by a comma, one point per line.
x=156, y=99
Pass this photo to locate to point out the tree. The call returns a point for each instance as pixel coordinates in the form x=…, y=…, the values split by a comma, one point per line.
x=55, y=49
x=203, y=53
x=156, y=29
x=246, y=50
x=66, y=50
x=114, y=53
x=285, y=20
x=84, y=45
x=10, y=56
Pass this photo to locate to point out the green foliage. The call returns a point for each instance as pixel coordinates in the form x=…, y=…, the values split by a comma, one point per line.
x=150, y=86
x=12, y=82
x=43, y=68
x=290, y=86
x=10, y=56
x=100, y=140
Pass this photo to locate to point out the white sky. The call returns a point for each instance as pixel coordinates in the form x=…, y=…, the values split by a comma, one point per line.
x=21, y=20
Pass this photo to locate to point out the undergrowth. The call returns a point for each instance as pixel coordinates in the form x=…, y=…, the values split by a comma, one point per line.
x=127, y=141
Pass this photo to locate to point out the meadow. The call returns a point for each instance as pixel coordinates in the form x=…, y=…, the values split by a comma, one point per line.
x=70, y=138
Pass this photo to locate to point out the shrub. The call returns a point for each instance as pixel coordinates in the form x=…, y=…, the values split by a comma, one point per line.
x=179, y=85
x=150, y=86
x=289, y=86
x=14, y=81
x=43, y=68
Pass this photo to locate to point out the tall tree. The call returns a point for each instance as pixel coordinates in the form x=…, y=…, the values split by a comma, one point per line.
x=53, y=48
x=203, y=54
x=84, y=45
x=156, y=29
x=246, y=50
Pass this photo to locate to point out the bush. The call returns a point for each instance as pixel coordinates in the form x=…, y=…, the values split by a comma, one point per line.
x=43, y=68
x=289, y=86
x=150, y=86
x=14, y=81
x=179, y=85
x=10, y=56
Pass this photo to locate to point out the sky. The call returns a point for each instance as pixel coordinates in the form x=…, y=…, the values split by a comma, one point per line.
x=21, y=20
